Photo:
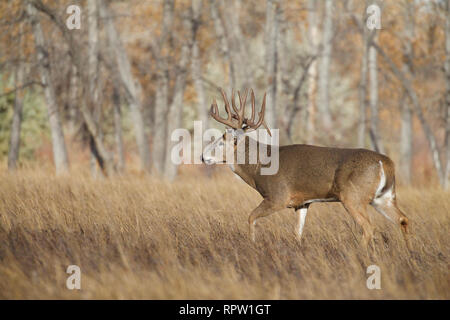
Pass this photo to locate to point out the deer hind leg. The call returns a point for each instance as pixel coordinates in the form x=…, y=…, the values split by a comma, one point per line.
x=264, y=209
x=386, y=205
x=358, y=210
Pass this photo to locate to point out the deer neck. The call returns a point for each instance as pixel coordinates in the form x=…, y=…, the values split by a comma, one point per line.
x=246, y=171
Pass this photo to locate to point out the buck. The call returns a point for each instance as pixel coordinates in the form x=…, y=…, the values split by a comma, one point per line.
x=308, y=174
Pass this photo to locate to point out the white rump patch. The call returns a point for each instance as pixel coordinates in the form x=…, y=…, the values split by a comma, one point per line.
x=380, y=210
x=382, y=181
x=384, y=200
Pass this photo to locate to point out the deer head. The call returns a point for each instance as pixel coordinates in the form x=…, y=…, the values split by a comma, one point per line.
x=238, y=125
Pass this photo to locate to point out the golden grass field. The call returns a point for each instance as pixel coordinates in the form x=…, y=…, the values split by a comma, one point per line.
x=135, y=237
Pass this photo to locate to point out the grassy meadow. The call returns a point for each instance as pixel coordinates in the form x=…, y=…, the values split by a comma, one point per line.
x=135, y=237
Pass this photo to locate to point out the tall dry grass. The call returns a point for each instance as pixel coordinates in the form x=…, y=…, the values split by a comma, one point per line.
x=136, y=237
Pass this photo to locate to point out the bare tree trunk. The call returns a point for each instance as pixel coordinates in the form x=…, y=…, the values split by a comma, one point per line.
x=271, y=34
x=162, y=99
x=202, y=108
x=176, y=107
x=160, y=122
x=418, y=111
x=373, y=99
x=232, y=44
x=133, y=89
x=324, y=70
x=93, y=48
x=93, y=71
x=118, y=128
x=363, y=93
x=223, y=42
x=406, y=136
x=446, y=177
x=406, y=141
x=104, y=157
x=237, y=44
x=312, y=71
x=284, y=86
x=295, y=108
x=58, y=143
x=73, y=100
x=16, y=124
x=290, y=83
x=447, y=146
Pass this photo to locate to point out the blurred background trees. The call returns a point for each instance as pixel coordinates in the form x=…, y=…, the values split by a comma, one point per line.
x=109, y=95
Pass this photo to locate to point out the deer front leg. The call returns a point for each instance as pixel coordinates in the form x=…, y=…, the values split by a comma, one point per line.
x=264, y=209
x=301, y=218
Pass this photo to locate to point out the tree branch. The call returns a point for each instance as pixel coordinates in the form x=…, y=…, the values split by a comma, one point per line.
x=417, y=109
x=25, y=85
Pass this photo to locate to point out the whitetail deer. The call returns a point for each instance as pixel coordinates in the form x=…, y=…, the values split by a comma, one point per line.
x=308, y=174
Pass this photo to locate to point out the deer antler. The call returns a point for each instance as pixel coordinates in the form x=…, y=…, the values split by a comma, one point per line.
x=239, y=113
x=250, y=123
x=215, y=112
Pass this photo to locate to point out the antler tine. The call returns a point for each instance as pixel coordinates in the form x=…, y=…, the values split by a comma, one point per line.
x=215, y=112
x=239, y=116
x=214, y=108
x=261, y=121
x=243, y=101
x=261, y=113
x=253, y=106
x=227, y=104
x=241, y=112
x=233, y=101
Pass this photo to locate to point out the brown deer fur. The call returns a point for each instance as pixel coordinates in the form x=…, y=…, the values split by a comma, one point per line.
x=308, y=174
